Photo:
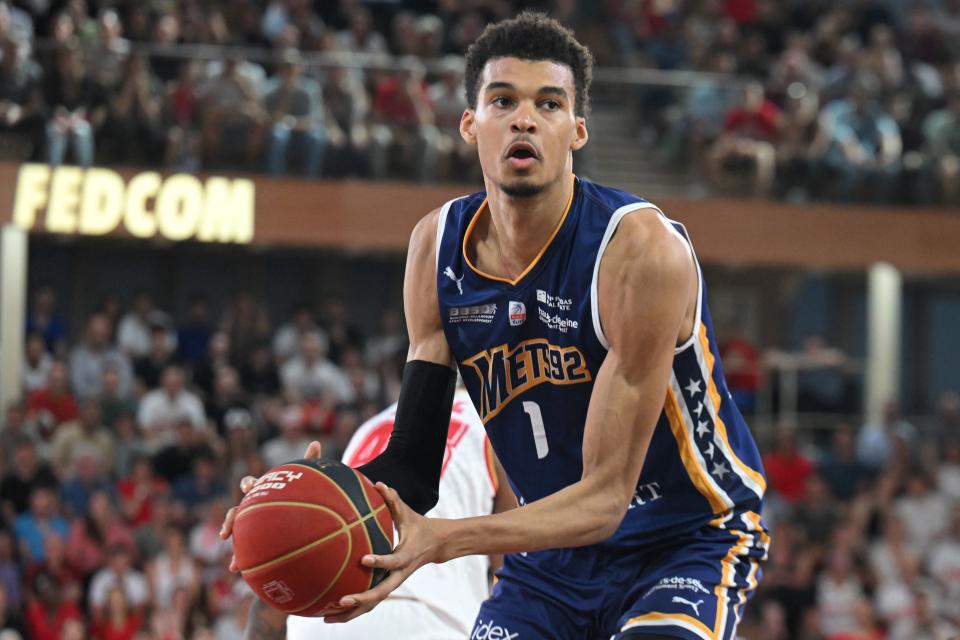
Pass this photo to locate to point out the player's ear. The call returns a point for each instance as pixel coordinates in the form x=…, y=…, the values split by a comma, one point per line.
x=580, y=136
x=468, y=127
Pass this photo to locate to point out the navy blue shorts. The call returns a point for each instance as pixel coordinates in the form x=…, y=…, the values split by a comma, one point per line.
x=692, y=586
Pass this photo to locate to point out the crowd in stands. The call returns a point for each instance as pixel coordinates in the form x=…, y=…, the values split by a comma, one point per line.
x=851, y=99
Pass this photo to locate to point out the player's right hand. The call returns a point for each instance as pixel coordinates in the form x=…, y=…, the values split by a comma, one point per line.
x=226, y=530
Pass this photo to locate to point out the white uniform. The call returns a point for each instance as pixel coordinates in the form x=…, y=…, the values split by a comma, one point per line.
x=439, y=601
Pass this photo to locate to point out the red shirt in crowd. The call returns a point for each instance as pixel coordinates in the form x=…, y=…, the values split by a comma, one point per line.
x=127, y=630
x=392, y=102
x=130, y=490
x=762, y=124
x=43, y=627
x=741, y=364
x=788, y=474
x=63, y=407
x=742, y=11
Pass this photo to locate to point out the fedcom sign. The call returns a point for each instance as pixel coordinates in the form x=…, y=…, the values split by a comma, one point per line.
x=99, y=201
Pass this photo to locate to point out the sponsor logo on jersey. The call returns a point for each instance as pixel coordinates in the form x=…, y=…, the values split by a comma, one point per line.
x=554, y=302
x=459, y=281
x=518, y=313
x=490, y=631
x=505, y=372
x=555, y=322
x=482, y=313
x=678, y=583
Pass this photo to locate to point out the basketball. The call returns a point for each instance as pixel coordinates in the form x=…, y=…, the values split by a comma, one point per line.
x=301, y=531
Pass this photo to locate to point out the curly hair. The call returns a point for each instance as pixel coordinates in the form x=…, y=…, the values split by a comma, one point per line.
x=531, y=36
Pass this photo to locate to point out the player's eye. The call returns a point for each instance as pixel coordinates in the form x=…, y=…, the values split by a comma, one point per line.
x=501, y=101
x=550, y=105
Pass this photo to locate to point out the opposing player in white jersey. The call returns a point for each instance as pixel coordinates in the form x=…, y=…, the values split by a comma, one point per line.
x=441, y=601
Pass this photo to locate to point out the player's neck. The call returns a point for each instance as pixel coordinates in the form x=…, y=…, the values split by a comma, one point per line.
x=516, y=229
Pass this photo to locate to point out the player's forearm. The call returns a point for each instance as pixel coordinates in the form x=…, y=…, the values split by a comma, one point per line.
x=583, y=513
x=265, y=623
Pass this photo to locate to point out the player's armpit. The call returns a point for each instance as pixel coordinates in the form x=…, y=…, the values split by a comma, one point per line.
x=265, y=623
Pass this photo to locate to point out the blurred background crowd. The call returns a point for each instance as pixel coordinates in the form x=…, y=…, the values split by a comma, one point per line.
x=798, y=99
x=137, y=422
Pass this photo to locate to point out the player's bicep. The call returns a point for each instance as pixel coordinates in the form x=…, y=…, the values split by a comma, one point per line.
x=421, y=307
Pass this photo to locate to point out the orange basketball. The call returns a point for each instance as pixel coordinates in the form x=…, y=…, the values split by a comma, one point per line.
x=300, y=533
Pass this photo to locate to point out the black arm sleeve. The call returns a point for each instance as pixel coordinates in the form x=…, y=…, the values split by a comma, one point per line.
x=412, y=460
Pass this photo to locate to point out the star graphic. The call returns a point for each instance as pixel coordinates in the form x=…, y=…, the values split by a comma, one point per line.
x=693, y=388
x=720, y=470
x=703, y=427
x=699, y=409
x=710, y=450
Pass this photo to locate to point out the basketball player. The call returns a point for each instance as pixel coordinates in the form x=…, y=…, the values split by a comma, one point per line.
x=577, y=317
x=440, y=601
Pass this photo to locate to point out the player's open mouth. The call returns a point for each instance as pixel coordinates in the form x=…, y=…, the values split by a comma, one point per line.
x=521, y=155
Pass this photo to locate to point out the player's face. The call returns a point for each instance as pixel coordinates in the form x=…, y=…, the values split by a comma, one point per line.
x=524, y=124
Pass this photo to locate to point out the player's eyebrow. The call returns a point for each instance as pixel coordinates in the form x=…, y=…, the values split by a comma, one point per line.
x=557, y=91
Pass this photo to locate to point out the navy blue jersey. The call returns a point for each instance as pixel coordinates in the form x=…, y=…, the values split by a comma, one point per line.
x=529, y=351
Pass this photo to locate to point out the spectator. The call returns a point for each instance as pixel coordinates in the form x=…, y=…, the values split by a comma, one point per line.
x=9, y=616
x=245, y=322
x=193, y=336
x=94, y=355
x=52, y=405
x=89, y=478
x=218, y=356
x=818, y=514
x=291, y=443
x=128, y=444
x=750, y=133
x=95, y=532
x=389, y=341
x=948, y=475
x=875, y=442
x=48, y=613
x=44, y=319
x=361, y=38
x=863, y=145
x=11, y=594
x=405, y=117
x=183, y=114
x=138, y=492
x=206, y=545
x=295, y=113
x=175, y=461
x=134, y=123
x=798, y=134
x=925, y=512
x=943, y=564
x=76, y=106
x=43, y=518
x=286, y=342
x=231, y=623
x=311, y=375
x=342, y=333
x=119, y=621
x=787, y=469
x=259, y=376
x=134, y=329
x=21, y=98
x=840, y=468
x=228, y=401
x=55, y=563
x=36, y=364
x=347, y=108
x=119, y=572
x=171, y=570
x=149, y=367
x=85, y=436
x=941, y=131
x=839, y=591
x=14, y=428
x=109, y=56
x=195, y=490
x=28, y=473
x=231, y=112
x=449, y=99
x=113, y=404
x=741, y=367
x=163, y=408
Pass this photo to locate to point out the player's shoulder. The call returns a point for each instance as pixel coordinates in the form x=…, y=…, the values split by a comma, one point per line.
x=428, y=228
x=609, y=199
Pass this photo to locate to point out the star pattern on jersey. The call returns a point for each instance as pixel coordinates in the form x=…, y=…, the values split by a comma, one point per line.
x=709, y=451
x=720, y=469
x=699, y=409
x=693, y=388
x=703, y=428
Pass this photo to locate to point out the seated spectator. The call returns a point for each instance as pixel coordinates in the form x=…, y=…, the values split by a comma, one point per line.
x=232, y=622
x=149, y=538
x=311, y=375
x=876, y=442
x=162, y=409
x=347, y=108
x=258, y=374
x=93, y=533
x=941, y=131
x=389, y=341
x=36, y=364
x=76, y=107
x=818, y=514
x=196, y=489
x=161, y=355
x=56, y=564
x=741, y=368
x=787, y=469
x=246, y=322
x=361, y=37
x=89, y=478
x=292, y=441
x=176, y=460
x=286, y=341
x=85, y=436
x=839, y=591
x=135, y=327
x=109, y=57
x=21, y=99
x=183, y=115
x=138, y=491
x=93, y=356
x=948, y=474
x=10, y=620
x=119, y=621
x=48, y=613
x=14, y=428
x=405, y=117
x=840, y=468
x=460, y=158
x=171, y=570
x=295, y=113
x=228, y=399
x=28, y=473
x=750, y=133
x=134, y=124
x=862, y=145
x=925, y=513
x=232, y=115
x=10, y=578
x=218, y=356
x=42, y=518
x=943, y=563
x=113, y=404
x=118, y=572
x=193, y=336
x=925, y=621
x=44, y=319
x=206, y=545
x=797, y=136
x=342, y=332
x=52, y=405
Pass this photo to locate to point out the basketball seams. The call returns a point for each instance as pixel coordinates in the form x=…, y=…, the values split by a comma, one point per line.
x=333, y=483
x=344, y=528
x=363, y=490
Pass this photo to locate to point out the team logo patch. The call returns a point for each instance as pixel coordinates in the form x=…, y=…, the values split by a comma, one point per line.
x=278, y=591
x=518, y=313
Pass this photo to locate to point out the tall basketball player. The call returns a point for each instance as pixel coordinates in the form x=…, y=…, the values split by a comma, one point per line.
x=577, y=317
x=440, y=601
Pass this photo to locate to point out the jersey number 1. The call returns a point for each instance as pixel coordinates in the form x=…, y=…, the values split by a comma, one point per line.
x=532, y=409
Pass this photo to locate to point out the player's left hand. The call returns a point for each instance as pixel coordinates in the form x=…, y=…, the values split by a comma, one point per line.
x=419, y=545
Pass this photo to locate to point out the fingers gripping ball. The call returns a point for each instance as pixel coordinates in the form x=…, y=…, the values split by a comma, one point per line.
x=301, y=531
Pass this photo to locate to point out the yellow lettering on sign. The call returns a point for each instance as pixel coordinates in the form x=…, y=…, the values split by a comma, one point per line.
x=102, y=205
x=178, y=206
x=138, y=218
x=64, y=198
x=228, y=211
x=31, y=194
